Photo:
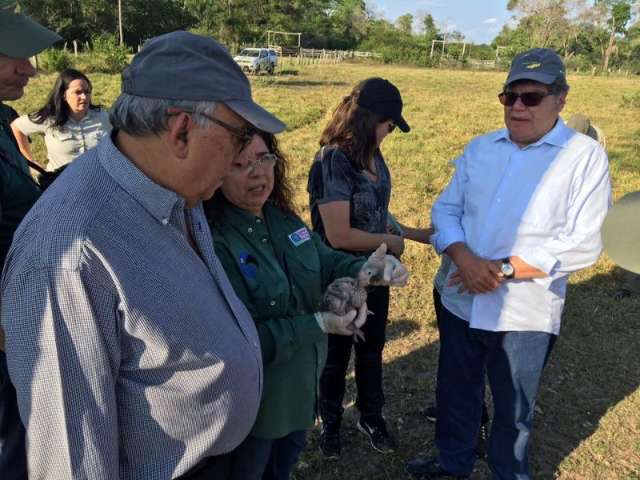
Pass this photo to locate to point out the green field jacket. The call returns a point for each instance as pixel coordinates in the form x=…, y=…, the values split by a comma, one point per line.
x=279, y=269
x=18, y=192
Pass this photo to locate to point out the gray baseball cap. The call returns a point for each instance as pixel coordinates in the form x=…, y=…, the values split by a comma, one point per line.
x=185, y=66
x=539, y=64
x=621, y=232
x=20, y=36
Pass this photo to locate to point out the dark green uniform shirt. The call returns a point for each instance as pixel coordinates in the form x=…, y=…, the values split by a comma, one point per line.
x=18, y=192
x=279, y=269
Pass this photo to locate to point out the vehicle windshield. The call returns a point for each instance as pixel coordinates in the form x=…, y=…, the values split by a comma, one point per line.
x=249, y=53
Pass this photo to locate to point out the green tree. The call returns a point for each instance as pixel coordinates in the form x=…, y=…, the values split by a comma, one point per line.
x=405, y=24
x=618, y=15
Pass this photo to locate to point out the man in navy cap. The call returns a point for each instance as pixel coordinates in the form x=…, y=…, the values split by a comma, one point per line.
x=20, y=38
x=522, y=212
x=131, y=354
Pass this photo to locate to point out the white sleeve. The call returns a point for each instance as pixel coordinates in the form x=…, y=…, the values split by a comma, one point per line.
x=447, y=211
x=579, y=244
x=28, y=126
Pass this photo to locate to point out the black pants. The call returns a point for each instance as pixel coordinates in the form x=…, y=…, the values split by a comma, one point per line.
x=368, y=364
x=212, y=468
x=437, y=305
x=13, y=458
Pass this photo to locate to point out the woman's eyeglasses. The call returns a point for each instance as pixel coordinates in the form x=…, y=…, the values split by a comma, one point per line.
x=528, y=99
x=268, y=160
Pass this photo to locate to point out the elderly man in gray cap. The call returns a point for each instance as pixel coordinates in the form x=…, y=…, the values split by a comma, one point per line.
x=20, y=38
x=523, y=211
x=131, y=354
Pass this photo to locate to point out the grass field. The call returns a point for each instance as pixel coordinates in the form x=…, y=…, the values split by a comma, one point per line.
x=588, y=419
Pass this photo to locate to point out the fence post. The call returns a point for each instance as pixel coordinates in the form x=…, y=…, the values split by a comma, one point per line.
x=75, y=48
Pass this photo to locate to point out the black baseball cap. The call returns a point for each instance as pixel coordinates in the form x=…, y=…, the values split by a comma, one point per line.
x=538, y=64
x=381, y=97
x=185, y=66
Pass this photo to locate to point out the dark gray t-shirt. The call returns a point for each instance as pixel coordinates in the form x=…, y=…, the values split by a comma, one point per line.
x=334, y=177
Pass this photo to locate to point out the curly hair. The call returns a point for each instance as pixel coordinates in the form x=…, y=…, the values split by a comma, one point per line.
x=352, y=128
x=281, y=196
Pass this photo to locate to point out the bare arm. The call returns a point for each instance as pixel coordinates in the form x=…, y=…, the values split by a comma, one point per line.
x=23, y=142
x=524, y=271
x=337, y=225
x=417, y=234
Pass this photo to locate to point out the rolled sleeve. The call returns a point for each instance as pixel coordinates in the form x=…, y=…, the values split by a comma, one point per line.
x=63, y=358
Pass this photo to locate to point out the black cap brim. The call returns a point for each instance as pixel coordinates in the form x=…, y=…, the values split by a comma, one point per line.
x=402, y=124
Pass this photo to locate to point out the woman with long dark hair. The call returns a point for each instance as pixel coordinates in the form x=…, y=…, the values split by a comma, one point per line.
x=70, y=123
x=349, y=190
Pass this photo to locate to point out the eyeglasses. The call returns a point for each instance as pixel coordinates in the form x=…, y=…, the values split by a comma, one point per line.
x=528, y=99
x=392, y=127
x=268, y=160
x=245, y=135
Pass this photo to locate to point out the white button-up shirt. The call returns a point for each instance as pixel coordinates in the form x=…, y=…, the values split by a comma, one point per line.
x=544, y=203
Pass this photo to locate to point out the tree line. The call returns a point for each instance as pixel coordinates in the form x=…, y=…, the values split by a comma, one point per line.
x=600, y=34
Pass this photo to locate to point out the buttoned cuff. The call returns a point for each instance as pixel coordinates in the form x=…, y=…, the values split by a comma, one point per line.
x=443, y=238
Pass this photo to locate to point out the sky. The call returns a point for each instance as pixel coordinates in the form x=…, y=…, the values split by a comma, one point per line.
x=479, y=20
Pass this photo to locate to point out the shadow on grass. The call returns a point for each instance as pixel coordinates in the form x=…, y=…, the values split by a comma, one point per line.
x=408, y=382
x=593, y=367
x=304, y=83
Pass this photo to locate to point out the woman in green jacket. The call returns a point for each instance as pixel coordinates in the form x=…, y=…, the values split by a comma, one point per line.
x=279, y=269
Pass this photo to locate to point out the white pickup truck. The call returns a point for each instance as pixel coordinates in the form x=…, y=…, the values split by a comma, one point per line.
x=256, y=60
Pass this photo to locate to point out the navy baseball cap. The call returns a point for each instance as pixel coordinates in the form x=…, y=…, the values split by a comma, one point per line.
x=185, y=66
x=381, y=97
x=538, y=64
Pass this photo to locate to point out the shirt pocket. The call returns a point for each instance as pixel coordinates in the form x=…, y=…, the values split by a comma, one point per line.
x=305, y=276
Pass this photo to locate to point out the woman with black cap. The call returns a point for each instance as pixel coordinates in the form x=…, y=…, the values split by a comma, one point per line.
x=349, y=190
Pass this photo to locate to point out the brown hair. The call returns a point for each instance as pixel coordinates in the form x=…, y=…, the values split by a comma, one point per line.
x=281, y=196
x=352, y=129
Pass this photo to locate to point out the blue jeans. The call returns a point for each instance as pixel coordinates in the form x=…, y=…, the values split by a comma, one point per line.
x=513, y=362
x=267, y=458
x=13, y=460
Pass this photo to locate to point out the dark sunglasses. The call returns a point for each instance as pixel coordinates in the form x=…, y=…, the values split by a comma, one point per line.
x=245, y=135
x=528, y=99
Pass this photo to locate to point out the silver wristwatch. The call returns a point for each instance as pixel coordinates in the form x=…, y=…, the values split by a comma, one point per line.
x=507, y=268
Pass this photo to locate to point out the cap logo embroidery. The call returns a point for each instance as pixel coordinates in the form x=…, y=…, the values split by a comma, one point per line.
x=531, y=66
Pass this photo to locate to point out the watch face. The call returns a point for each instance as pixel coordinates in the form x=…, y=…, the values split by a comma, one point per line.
x=507, y=269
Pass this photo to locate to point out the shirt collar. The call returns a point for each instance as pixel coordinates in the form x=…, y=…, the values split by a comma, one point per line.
x=558, y=136
x=157, y=200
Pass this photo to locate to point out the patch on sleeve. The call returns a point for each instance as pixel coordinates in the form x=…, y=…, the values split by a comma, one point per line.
x=300, y=236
